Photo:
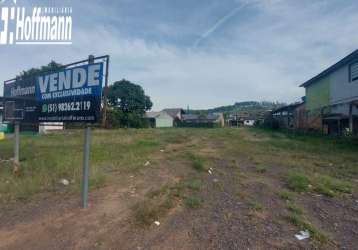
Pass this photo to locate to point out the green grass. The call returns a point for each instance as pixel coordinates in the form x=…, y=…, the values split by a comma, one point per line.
x=261, y=169
x=193, y=184
x=147, y=143
x=322, y=184
x=327, y=164
x=47, y=159
x=192, y=202
x=196, y=161
x=298, y=182
x=256, y=206
x=295, y=209
x=330, y=186
x=317, y=236
x=286, y=195
x=147, y=211
x=157, y=203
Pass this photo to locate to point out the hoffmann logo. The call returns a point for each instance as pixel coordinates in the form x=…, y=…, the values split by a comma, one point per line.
x=40, y=25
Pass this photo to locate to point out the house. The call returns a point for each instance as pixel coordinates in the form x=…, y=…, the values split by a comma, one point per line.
x=165, y=118
x=202, y=120
x=332, y=97
x=175, y=113
x=290, y=116
x=160, y=119
x=245, y=118
x=176, y=117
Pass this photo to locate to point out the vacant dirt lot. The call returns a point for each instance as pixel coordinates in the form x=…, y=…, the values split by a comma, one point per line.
x=208, y=189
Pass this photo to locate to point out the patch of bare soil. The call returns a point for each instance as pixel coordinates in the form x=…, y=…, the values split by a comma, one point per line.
x=337, y=216
x=240, y=215
x=57, y=222
x=241, y=209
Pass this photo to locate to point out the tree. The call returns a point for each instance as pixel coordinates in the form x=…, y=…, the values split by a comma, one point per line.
x=34, y=71
x=129, y=103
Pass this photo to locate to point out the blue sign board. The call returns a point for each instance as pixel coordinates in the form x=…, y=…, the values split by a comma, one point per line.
x=70, y=95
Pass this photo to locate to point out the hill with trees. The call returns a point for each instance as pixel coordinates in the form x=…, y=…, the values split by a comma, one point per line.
x=247, y=106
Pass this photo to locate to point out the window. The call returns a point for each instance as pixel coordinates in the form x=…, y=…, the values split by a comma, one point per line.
x=353, y=72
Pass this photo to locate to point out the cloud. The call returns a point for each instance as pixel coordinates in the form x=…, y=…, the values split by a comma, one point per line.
x=264, y=53
x=219, y=23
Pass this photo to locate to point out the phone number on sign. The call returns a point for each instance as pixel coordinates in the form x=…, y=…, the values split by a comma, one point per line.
x=66, y=106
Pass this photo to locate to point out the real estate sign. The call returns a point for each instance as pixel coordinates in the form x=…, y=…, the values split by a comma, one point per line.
x=20, y=103
x=70, y=95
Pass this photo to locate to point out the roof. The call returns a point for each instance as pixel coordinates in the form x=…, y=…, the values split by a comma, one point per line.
x=209, y=117
x=348, y=59
x=152, y=114
x=190, y=117
x=157, y=114
x=288, y=107
x=173, y=112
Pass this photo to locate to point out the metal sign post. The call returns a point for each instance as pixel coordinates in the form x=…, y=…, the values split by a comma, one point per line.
x=105, y=92
x=16, y=147
x=86, y=153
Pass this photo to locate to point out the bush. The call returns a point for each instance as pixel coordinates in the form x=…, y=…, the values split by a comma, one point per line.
x=118, y=119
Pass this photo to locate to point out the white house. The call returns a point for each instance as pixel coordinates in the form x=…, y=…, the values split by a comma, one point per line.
x=164, y=118
x=160, y=119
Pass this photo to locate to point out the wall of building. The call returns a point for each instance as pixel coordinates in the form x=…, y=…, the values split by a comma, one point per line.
x=164, y=121
x=341, y=89
x=343, y=109
x=318, y=95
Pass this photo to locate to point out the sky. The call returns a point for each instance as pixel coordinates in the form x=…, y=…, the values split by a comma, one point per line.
x=202, y=53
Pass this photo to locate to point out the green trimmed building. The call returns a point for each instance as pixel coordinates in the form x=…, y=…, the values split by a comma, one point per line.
x=331, y=101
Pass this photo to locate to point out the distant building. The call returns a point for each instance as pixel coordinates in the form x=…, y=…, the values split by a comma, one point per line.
x=290, y=116
x=1, y=109
x=245, y=118
x=160, y=119
x=202, y=120
x=332, y=97
x=3, y=127
x=175, y=113
x=176, y=117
